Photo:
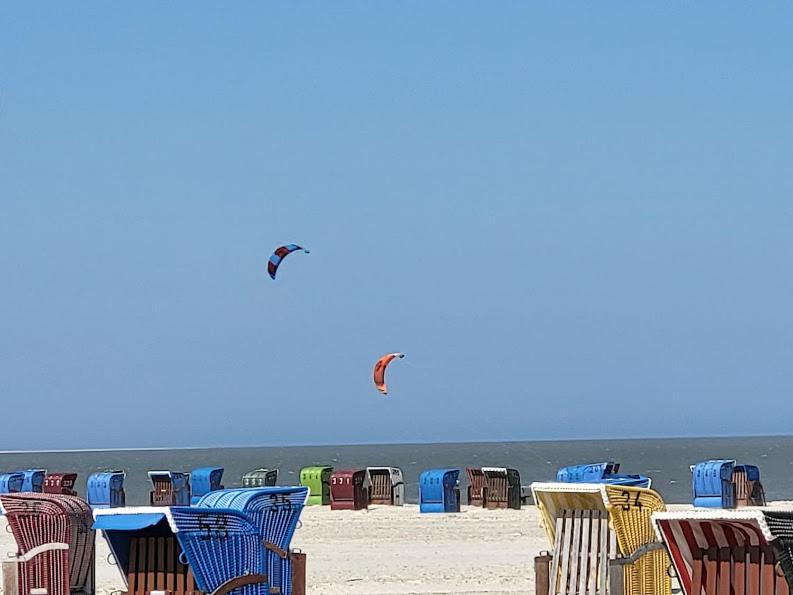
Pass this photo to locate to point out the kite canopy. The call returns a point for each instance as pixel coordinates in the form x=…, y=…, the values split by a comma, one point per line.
x=379, y=370
x=278, y=256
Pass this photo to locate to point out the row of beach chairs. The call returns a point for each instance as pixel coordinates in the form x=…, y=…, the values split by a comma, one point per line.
x=716, y=483
x=619, y=540
x=235, y=540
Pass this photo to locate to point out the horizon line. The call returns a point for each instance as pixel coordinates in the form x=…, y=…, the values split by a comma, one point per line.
x=327, y=445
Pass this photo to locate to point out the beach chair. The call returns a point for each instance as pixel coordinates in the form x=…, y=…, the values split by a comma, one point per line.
x=55, y=544
x=182, y=551
x=502, y=487
x=60, y=483
x=275, y=512
x=204, y=480
x=711, y=483
x=730, y=552
x=602, y=539
x=11, y=483
x=748, y=489
x=439, y=490
x=477, y=486
x=607, y=472
x=317, y=480
x=349, y=489
x=33, y=480
x=260, y=478
x=170, y=488
x=105, y=489
x=388, y=486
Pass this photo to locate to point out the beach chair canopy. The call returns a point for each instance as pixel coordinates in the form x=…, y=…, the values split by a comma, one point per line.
x=439, y=490
x=106, y=489
x=317, y=479
x=11, y=482
x=712, y=483
x=60, y=483
x=388, y=485
x=260, y=478
x=33, y=480
x=171, y=488
x=607, y=472
x=176, y=545
x=54, y=539
x=275, y=512
x=736, y=550
x=204, y=480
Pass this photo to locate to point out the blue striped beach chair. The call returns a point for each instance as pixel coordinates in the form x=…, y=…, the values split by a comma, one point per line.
x=11, y=483
x=184, y=550
x=275, y=511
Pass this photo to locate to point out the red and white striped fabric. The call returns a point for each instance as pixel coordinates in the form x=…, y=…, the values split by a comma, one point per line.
x=55, y=540
x=688, y=533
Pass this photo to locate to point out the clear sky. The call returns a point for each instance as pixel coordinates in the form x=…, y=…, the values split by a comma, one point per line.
x=575, y=218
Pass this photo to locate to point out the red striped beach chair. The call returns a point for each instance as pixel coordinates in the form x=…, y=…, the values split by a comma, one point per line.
x=729, y=552
x=55, y=543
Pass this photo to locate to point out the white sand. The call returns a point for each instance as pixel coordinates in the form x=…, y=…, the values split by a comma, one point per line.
x=396, y=550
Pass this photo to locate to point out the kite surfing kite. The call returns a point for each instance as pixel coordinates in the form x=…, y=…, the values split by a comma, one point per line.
x=379, y=370
x=278, y=256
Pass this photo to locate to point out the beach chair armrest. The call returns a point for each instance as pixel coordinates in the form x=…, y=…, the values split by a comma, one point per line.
x=239, y=581
x=643, y=550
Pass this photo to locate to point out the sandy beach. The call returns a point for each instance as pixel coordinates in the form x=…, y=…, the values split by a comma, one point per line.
x=396, y=550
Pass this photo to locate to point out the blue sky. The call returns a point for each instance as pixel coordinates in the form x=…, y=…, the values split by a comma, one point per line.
x=575, y=219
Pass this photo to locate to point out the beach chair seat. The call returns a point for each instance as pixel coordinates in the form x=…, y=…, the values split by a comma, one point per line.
x=727, y=552
x=156, y=564
x=496, y=490
x=381, y=487
x=582, y=549
x=477, y=487
x=386, y=486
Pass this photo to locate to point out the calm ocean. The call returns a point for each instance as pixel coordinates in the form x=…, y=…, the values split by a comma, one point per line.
x=665, y=460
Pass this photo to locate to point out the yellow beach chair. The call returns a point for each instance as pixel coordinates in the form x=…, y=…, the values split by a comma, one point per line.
x=603, y=541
